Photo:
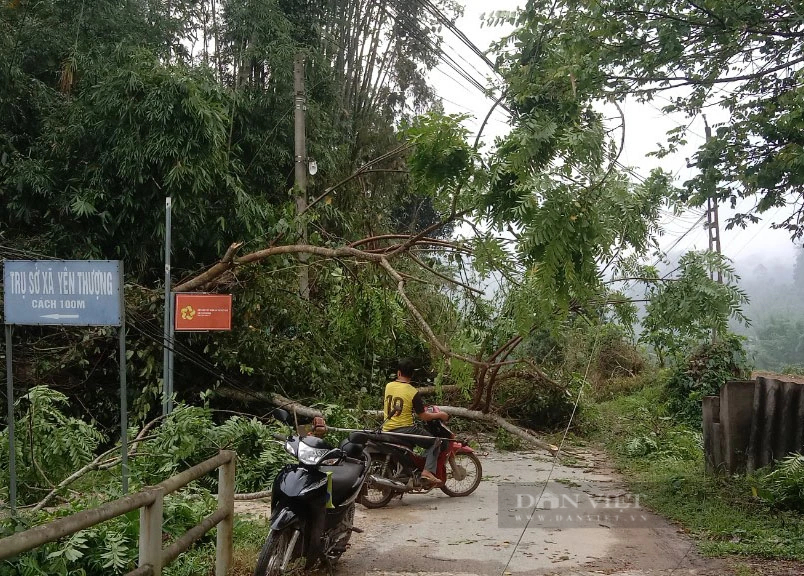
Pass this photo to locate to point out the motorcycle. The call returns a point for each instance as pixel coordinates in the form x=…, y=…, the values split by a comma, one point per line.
x=396, y=469
x=313, y=502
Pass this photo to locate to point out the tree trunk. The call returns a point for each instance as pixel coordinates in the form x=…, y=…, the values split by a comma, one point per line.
x=456, y=411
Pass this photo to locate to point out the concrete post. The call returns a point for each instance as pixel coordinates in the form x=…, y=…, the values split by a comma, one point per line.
x=736, y=413
x=226, y=490
x=300, y=138
x=712, y=435
x=151, y=534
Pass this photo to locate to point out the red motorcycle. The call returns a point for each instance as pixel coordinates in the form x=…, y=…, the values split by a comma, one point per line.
x=396, y=469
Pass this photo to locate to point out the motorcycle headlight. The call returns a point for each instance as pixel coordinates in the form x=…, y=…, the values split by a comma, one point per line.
x=309, y=455
x=289, y=448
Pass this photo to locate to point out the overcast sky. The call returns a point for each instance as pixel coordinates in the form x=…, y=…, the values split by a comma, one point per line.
x=646, y=126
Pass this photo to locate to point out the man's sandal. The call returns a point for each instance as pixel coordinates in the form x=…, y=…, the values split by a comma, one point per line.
x=432, y=481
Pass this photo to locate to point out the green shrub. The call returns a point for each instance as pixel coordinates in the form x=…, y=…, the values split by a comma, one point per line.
x=703, y=374
x=108, y=548
x=507, y=442
x=259, y=457
x=616, y=356
x=186, y=437
x=622, y=386
x=793, y=370
x=537, y=406
x=669, y=443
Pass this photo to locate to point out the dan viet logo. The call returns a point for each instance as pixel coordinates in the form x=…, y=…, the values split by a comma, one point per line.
x=560, y=506
x=188, y=313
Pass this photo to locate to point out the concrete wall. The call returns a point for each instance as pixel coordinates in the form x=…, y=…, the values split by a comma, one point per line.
x=777, y=423
x=752, y=423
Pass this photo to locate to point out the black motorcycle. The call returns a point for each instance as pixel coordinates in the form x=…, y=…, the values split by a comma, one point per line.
x=313, y=502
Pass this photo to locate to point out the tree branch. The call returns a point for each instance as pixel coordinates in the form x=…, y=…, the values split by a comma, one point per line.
x=444, y=276
x=364, y=169
x=689, y=81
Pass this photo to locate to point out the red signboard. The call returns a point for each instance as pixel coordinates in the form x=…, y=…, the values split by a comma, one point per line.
x=200, y=312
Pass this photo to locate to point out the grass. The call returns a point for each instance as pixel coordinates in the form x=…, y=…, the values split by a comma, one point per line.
x=663, y=461
x=249, y=536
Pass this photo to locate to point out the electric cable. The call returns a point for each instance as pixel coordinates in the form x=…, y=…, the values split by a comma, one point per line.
x=555, y=456
x=762, y=228
x=680, y=238
x=155, y=334
x=432, y=45
x=441, y=17
x=439, y=51
x=24, y=252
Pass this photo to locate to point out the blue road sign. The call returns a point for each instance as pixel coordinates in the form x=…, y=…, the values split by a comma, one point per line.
x=63, y=292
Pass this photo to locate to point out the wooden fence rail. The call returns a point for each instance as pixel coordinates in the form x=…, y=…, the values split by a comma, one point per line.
x=152, y=558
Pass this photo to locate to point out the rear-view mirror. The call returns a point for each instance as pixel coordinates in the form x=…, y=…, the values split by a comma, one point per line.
x=282, y=415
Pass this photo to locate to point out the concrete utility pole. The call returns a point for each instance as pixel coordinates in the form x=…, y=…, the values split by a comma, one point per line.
x=301, y=165
x=713, y=227
x=712, y=218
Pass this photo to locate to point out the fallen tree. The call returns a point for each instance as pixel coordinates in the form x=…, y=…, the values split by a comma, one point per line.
x=457, y=411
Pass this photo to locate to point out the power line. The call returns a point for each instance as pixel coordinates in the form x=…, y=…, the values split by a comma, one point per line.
x=447, y=22
x=17, y=252
x=680, y=238
x=764, y=227
x=437, y=50
x=154, y=333
x=555, y=456
x=441, y=17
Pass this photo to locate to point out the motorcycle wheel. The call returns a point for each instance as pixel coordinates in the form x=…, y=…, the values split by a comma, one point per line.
x=472, y=473
x=276, y=548
x=373, y=497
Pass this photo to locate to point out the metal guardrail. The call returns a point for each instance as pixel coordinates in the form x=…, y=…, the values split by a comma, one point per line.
x=152, y=557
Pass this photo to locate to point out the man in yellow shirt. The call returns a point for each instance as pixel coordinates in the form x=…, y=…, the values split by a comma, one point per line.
x=401, y=402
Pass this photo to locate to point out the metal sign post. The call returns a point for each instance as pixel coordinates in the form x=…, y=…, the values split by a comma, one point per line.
x=64, y=293
x=171, y=356
x=123, y=388
x=12, y=451
x=167, y=357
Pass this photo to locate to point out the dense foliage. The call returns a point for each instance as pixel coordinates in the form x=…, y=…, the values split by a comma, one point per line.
x=105, y=109
x=55, y=446
x=684, y=310
x=689, y=56
x=703, y=373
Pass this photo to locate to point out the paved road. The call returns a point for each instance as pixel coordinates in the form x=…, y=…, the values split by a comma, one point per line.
x=432, y=534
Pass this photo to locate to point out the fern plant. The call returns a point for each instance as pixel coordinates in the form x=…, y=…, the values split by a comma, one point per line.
x=259, y=457
x=49, y=444
x=786, y=483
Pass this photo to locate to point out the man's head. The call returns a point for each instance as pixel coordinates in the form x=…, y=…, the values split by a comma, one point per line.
x=406, y=367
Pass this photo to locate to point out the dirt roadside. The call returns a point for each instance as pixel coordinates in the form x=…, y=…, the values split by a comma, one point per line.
x=586, y=532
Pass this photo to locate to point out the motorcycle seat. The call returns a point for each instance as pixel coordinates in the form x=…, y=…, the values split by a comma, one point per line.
x=345, y=477
x=391, y=438
x=358, y=437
